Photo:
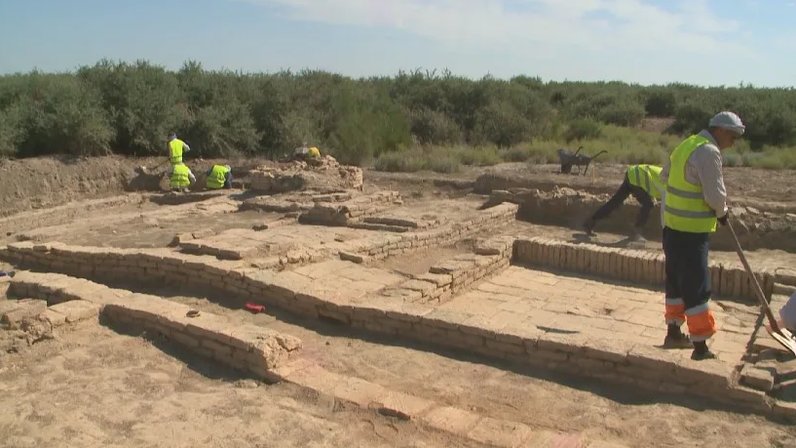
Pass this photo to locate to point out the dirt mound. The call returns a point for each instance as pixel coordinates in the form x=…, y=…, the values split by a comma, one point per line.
x=324, y=176
x=567, y=207
x=41, y=182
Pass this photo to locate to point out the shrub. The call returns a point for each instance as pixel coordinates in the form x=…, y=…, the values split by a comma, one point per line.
x=478, y=156
x=434, y=127
x=443, y=163
x=142, y=101
x=516, y=154
x=60, y=114
x=400, y=161
x=10, y=131
x=581, y=129
x=660, y=103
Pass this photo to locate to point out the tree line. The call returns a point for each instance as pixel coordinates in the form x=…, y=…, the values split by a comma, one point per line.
x=130, y=108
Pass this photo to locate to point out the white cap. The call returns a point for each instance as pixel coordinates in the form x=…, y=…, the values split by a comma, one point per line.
x=727, y=120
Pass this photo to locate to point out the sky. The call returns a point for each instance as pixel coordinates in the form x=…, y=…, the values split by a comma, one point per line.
x=700, y=42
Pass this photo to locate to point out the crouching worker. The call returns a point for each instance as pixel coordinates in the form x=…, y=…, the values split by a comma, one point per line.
x=181, y=178
x=307, y=154
x=641, y=181
x=219, y=176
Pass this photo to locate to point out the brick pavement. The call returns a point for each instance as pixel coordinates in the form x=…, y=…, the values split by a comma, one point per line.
x=586, y=309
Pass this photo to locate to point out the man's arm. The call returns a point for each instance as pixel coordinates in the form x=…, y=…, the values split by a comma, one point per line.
x=185, y=147
x=665, y=173
x=707, y=161
x=191, y=177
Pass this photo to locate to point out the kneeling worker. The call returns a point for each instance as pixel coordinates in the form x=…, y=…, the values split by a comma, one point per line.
x=219, y=176
x=181, y=177
x=641, y=181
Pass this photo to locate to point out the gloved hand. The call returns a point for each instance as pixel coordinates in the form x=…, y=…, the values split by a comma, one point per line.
x=723, y=220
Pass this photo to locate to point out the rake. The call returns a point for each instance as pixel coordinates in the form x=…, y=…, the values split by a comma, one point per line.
x=781, y=335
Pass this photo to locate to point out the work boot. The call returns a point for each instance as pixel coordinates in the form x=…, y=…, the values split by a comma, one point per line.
x=588, y=226
x=676, y=339
x=636, y=236
x=701, y=351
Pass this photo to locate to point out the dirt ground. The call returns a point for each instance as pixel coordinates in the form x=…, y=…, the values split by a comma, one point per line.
x=93, y=387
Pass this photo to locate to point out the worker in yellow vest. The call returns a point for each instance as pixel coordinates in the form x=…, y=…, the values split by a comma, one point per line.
x=694, y=202
x=306, y=153
x=643, y=182
x=181, y=178
x=219, y=176
x=176, y=149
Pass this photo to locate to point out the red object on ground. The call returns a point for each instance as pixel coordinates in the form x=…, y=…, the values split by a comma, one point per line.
x=255, y=308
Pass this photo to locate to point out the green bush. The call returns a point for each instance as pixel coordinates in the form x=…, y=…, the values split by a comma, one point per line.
x=478, y=155
x=660, y=103
x=434, y=127
x=517, y=154
x=10, y=131
x=59, y=114
x=581, y=129
x=142, y=101
x=131, y=107
x=444, y=163
x=400, y=161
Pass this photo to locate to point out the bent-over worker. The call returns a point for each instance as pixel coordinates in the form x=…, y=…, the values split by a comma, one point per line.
x=643, y=182
x=176, y=148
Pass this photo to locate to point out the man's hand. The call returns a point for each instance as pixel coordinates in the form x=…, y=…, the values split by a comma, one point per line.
x=723, y=220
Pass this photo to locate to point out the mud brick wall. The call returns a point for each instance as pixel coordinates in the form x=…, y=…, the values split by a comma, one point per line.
x=568, y=207
x=483, y=220
x=446, y=279
x=61, y=214
x=635, y=266
x=637, y=366
x=341, y=213
x=245, y=347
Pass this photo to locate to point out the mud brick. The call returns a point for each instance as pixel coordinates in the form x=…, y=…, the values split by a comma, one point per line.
x=650, y=276
x=24, y=309
x=465, y=340
x=726, y=281
x=586, y=366
x=185, y=339
x=504, y=347
x=452, y=420
x=759, y=379
x=494, y=432
x=649, y=359
x=76, y=310
x=400, y=405
x=671, y=388
x=216, y=348
x=612, y=264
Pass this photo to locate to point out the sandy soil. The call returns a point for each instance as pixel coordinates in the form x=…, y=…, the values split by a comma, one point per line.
x=538, y=399
x=93, y=387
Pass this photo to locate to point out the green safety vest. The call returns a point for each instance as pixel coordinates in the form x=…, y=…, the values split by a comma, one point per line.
x=684, y=207
x=179, y=176
x=217, y=177
x=175, y=151
x=646, y=177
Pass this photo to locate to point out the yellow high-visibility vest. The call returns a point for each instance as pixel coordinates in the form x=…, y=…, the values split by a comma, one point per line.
x=684, y=207
x=180, y=177
x=217, y=177
x=646, y=177
x=176, y=147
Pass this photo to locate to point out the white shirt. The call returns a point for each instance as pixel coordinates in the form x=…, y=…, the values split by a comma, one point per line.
x=788, y=313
